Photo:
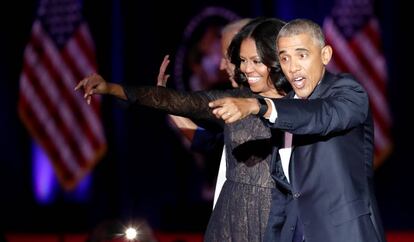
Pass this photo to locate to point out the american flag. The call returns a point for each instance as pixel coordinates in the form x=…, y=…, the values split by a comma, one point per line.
x=353, y=31
x=61, y=52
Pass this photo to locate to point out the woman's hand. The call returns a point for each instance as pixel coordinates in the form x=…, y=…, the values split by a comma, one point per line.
x=162, y=77
x=92, y=84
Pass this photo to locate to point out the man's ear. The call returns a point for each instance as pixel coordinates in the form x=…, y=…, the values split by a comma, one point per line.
x=326, y=54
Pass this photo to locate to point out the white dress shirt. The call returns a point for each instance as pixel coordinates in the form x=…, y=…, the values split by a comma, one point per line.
x=286, y=151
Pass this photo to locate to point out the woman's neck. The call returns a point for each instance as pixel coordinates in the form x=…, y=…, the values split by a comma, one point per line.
x=273, y=93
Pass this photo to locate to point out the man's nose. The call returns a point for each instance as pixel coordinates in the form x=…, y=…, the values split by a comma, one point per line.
x=294, y=67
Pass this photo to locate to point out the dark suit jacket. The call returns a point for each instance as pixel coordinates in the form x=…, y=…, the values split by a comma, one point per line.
x=331, y=166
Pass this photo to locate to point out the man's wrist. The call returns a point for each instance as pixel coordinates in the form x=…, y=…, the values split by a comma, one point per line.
x=262, y=107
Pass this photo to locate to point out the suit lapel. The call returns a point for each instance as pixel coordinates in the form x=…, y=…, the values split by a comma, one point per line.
x=322, y=86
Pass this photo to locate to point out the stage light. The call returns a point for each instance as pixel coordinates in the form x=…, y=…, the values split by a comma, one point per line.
x=131, y=233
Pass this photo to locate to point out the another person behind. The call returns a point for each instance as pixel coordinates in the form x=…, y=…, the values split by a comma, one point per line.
x=204, y=139
x=227, y=34
x=326, y=168
x=243, y=206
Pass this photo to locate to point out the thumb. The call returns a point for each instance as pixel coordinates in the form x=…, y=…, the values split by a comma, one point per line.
x=216, y=103
x=79, y=85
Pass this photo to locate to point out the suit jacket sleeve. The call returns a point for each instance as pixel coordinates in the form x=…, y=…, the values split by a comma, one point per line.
x=335, y=105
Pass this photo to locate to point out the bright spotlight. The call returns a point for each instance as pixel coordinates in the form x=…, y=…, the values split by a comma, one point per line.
x=131, y=233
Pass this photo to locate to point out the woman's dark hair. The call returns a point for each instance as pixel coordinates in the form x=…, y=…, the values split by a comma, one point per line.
x=264, y=32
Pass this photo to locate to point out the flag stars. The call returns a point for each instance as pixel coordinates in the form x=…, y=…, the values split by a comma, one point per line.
x=351, y=15
x=60, y=18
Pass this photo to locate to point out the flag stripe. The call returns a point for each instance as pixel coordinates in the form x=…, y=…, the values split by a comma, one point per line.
x=83, y=43
x=43, y=75
x=347, y=61
x=50, y=96
x=60, y=53
x=370, y=46
x=363, y=60
x=39, y=116
x=360, y=54
x=344, y=62
x=69, y=80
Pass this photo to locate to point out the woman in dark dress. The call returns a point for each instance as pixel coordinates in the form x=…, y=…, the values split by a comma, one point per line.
x=243, y=206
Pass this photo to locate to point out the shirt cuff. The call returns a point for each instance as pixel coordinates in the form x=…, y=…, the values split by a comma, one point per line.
x=273, y=114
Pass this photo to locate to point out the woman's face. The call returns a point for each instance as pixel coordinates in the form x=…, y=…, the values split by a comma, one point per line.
x=253, y=68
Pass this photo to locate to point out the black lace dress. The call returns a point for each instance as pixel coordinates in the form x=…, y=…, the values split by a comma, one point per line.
x=242, y=208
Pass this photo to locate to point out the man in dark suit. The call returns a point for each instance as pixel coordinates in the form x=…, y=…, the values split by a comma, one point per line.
x=325, y=165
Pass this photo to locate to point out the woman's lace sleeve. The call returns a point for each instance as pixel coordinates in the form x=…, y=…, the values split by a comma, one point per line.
x=186, y=104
